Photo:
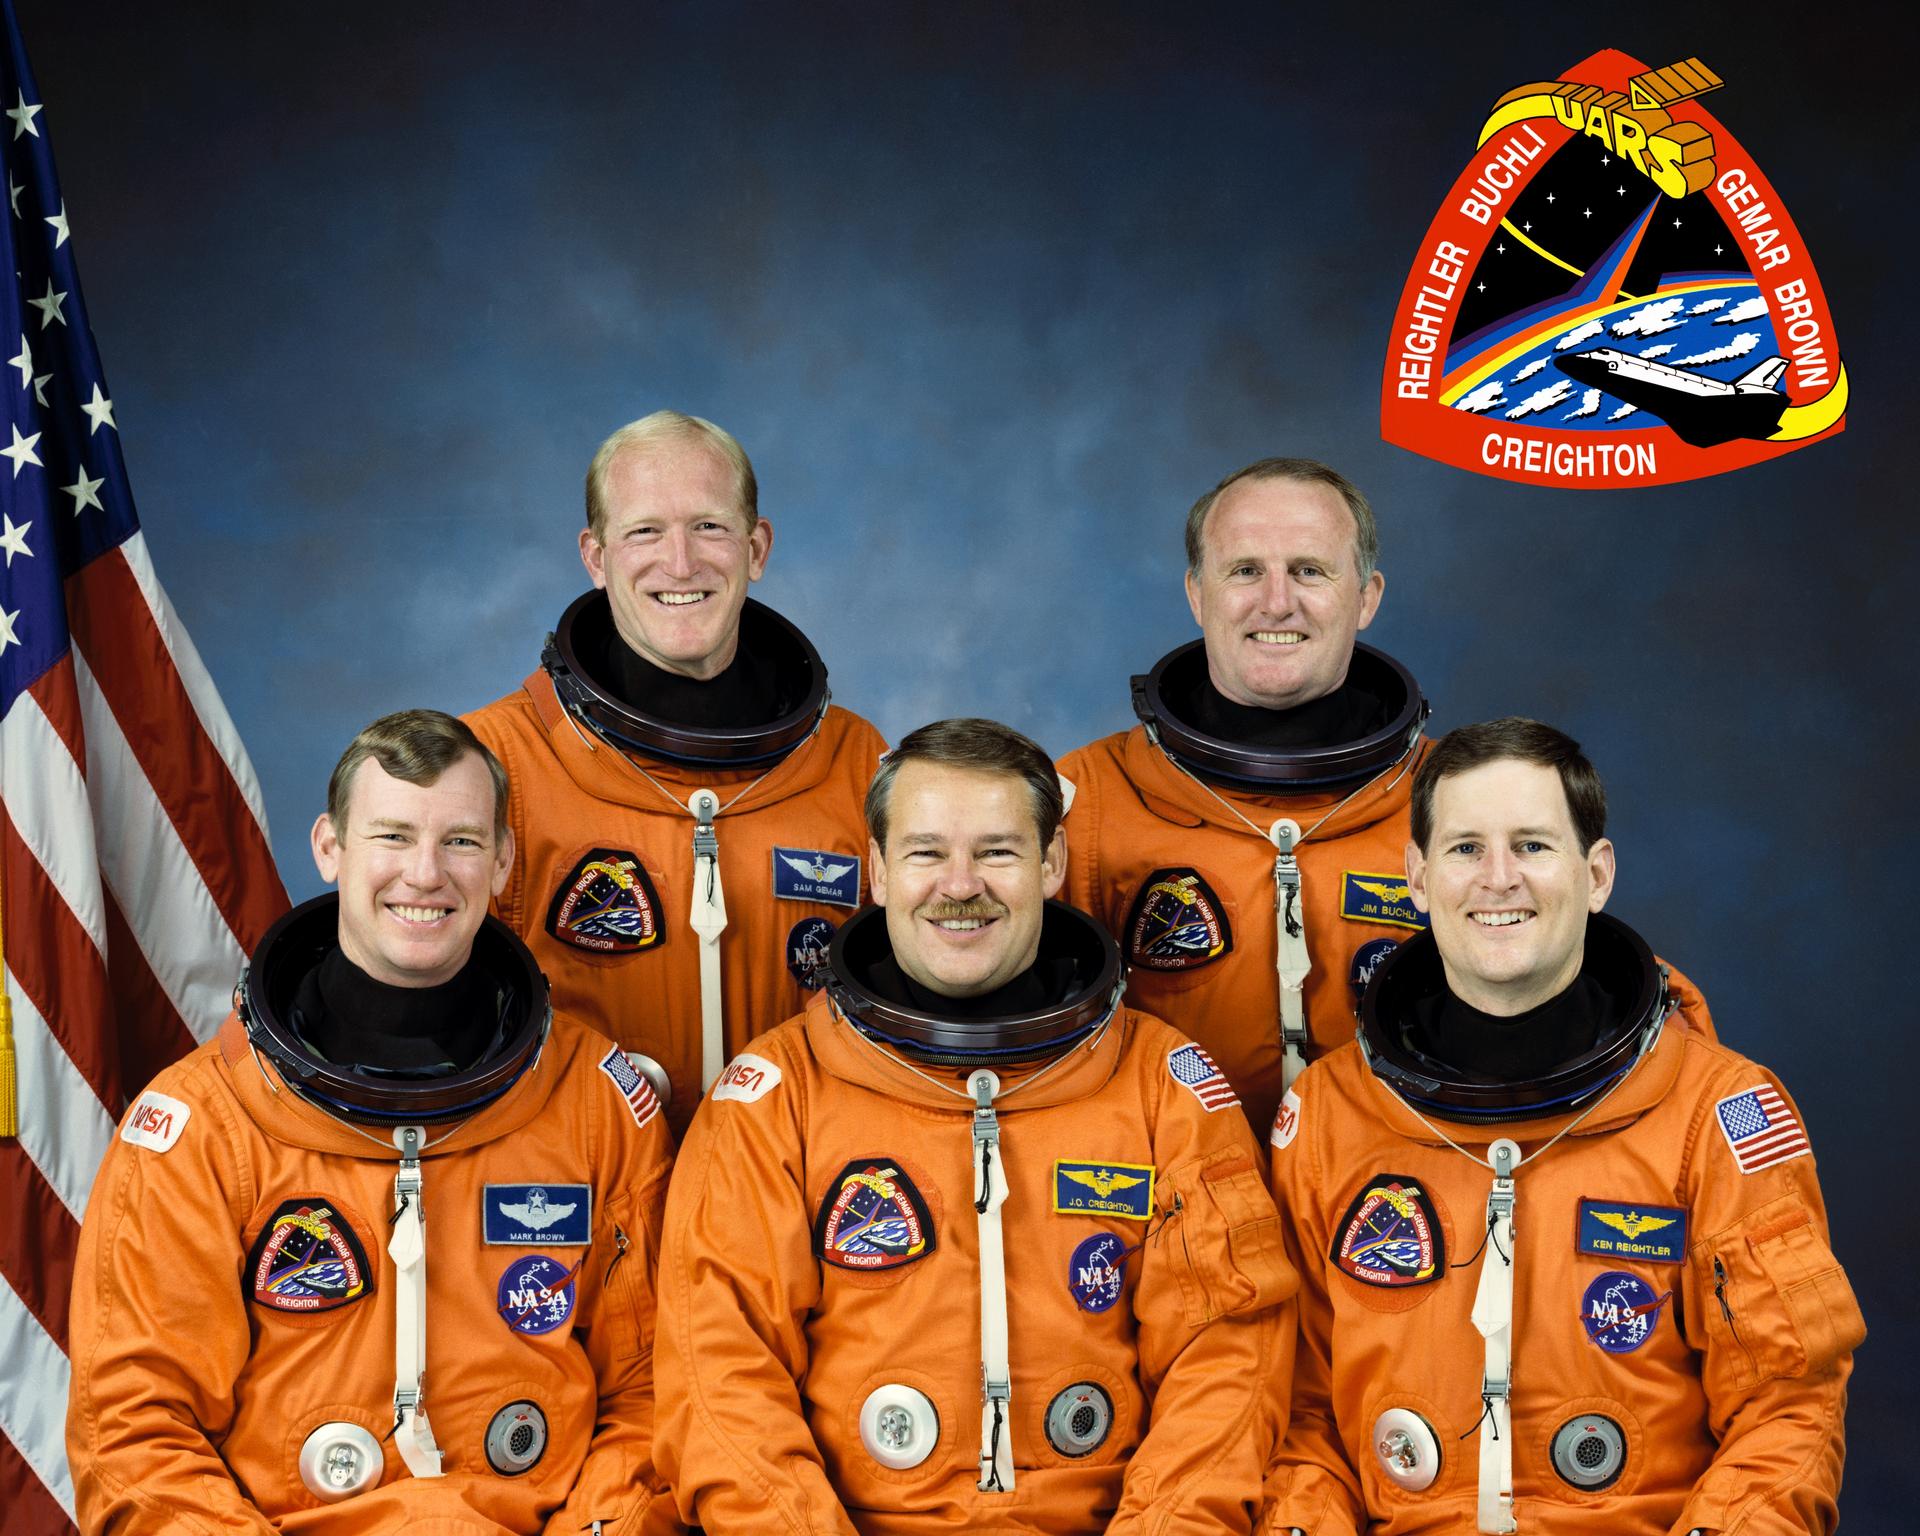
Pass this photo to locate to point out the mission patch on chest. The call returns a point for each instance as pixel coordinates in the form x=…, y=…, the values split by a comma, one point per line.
x=606, y=905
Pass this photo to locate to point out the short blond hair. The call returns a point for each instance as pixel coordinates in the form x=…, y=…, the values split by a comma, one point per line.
x=657, y=430
x=414, y=746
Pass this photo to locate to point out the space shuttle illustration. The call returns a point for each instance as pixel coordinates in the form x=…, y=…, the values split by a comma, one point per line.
x=1702, y=411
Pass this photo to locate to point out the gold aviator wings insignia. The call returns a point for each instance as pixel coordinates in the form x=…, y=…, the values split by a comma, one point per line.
x=1632, y=1223
x=1102, y=1183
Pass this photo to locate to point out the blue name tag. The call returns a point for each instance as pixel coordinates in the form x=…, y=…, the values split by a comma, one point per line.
x=537, y=1215
x=806, y=874
x=1370, y=898
x=1104, y=1189
x=1618, y=1229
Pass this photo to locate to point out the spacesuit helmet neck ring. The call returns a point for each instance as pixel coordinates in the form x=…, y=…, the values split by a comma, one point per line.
x=585, y=629
x=1615, y=955
x=1273, y=769
x=295, y=944
x=958, y=1040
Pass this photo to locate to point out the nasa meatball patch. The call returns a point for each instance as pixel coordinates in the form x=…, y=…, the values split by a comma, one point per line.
x=807, y=942
x=536, y=1294
x=1094, y=1273
x=872, y=1219
x=307, y=1259
x=1177, y=923
x=1390, y=1236
x=1619, y=1310
x=606, y=905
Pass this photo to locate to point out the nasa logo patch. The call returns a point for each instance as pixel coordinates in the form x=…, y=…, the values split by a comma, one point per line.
x=606, y=905
x=1103, y=1189
x=806, y=874
x=1611, y=295
x=1286, y=1120
x=155, y=1121
x=1619, y=1310
x=1094, y=1274
x=533, y=1215
x=1618, y=1229
x=536, y=1294
x=747, y=1078
x=307, y=1259
x=1177, y=923
x=872, y=1219
x=807, y=943
x=1369, y=898
x=1366, y=960
x=1390, y=1235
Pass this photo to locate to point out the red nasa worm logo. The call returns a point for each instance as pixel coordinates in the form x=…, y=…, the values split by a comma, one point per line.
x=1612, y=294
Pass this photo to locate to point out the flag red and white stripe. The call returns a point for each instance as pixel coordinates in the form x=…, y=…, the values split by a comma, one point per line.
x=135, y=874
x=1194, y=1070
x=1761, y=1128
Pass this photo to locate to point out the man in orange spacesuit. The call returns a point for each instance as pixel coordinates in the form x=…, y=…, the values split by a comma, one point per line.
x=1243, y=841
x=1564, y=1259
x=970, y=1245
x=380, y=1256
x=688, y=816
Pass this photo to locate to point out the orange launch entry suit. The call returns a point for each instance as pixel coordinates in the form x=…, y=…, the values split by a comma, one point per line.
x=603, y=875
x=1140, y=1258
x=1656, y=1283
x=191, y=1398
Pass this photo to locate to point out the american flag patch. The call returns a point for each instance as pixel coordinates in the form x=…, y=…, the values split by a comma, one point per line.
x=1760, y=1128
x=634, y=1088
x=1193, y=1070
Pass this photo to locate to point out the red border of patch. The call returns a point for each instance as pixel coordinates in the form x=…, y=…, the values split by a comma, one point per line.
x=1425, y=426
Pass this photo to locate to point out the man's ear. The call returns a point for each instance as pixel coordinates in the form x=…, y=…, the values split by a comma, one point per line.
x=1417, y=875
x=876, y=873
x=1600, y=867
x=326, y=848
x=1053, y=864
x=593, y=555
x=502, y=861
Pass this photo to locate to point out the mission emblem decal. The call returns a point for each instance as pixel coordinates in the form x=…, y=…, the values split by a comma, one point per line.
x=307, y=1259
x=1177, y=922
x=1390, y=1235
x=872, y=1218
x=1611, y=295
x=607, y=905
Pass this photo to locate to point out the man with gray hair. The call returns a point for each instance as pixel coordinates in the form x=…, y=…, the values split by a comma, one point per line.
x=689, y=820
x=1252, y=822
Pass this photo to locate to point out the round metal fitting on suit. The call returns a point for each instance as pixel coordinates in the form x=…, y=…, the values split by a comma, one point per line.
x=655, y=1074
x=1408, y=1449
x=1079, y=1419
x=1590, y=1451
x=899, y=1426
x=516, y=1438
x=339, y=1460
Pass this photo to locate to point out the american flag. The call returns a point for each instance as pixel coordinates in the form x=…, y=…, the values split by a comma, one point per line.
x=1761, y=1128
x=634, y=1088
x=134, y=868
x=1193, y=1069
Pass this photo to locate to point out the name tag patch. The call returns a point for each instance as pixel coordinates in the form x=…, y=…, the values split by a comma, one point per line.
x=606, y=905
x=872, y=1219
x=307, y=1259
x=1371, y=898
x=155, y=1121
x=1649, y=1234
x=1103, y=1189
x=808, y=874
x=537, y=1215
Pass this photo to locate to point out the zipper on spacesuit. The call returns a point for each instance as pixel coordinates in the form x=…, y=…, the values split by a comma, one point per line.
x=1726, y=1311
x=620, y=1244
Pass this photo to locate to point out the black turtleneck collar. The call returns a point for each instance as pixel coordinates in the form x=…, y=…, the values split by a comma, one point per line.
x=352, y=1019
x=1518, y=1047
x=1349, y=713
x=759, y=685
x=1047, y=983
